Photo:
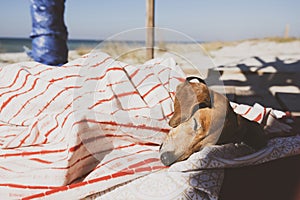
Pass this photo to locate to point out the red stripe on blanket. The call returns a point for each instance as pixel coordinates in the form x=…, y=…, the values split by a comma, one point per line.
x=168, y=115
x=247, y=111
x=142, y=126
x=68, y=106
x=26, y=102
x=120, y=157
x=134, y=73
x=40, y=72
x=64, y=77
x=111, y=98
x=129, y=109
x=164, y=69
x=101, y=101
x=35, y=139
x=258, y=118
x=75, y=163
x=28, y=186
x=99, y=63
x=16, y=95
x=121, y=173
x=148, y=75
x=101, y=77
x=41, y=161
x=56, y=120
x=10, y=135
x=15, y=79
x=53, y=128
x=22, y=86
x=139, y=164
x=57, y=95
x=6, y=169
x=25, y=153
x=27, y=136
x=153, y=88
x=127, y=94
x=116, y=83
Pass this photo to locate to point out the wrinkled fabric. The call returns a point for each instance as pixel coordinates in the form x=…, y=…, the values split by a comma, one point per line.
x=85, y=127
x=94, y=126
x=49, y=33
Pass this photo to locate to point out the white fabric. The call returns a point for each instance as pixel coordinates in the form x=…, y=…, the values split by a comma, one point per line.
x=94, y=126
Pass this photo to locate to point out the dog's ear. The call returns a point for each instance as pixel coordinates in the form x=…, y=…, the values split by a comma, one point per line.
x=202, y=92
x=189, y=98
x=252, y=133
x=190, y=78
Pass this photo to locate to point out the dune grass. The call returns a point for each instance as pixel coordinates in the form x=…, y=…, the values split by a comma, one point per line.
x=281, y=39
x=135, y=52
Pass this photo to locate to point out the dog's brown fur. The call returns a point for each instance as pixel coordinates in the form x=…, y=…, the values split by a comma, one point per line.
x=204, y=117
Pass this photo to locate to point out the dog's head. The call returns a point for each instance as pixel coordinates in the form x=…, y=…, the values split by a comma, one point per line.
x=203, y=117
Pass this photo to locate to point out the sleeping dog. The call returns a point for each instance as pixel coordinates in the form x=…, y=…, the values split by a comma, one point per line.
x=204, y=117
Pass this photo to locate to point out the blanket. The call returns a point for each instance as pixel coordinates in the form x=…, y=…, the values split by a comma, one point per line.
x=84, y=127
x=95, y=125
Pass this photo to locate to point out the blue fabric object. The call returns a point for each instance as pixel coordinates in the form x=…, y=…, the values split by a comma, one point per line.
x=49, y=33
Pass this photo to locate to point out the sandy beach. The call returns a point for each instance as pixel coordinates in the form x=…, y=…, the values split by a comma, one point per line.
x=251, y=71
x=262, y=72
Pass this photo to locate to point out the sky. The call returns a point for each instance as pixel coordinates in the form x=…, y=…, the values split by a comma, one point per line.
x=202, y=20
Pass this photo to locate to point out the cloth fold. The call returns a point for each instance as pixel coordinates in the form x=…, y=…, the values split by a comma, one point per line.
x=94, y=126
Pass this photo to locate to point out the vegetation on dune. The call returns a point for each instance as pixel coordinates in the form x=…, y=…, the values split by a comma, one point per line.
x=281, y=39
x=136, y=51
x=82, y=50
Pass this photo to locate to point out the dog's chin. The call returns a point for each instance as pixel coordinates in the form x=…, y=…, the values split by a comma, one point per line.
x=168, y=158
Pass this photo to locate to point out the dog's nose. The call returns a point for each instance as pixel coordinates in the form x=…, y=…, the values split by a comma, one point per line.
x=167, y=158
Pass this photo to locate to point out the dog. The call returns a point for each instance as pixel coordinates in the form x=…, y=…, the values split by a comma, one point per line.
x=204, y=117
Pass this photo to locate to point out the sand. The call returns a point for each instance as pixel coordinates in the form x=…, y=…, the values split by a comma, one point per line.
x=262, y=72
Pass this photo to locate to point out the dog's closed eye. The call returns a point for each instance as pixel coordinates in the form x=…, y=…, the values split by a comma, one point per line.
x=195, y=125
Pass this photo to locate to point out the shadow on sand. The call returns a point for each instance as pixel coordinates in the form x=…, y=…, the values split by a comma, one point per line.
x=273, y=84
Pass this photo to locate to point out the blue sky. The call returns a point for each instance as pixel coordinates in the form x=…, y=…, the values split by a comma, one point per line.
x=203, y=20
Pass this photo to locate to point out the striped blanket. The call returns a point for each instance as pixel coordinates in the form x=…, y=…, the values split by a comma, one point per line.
x=89, y=126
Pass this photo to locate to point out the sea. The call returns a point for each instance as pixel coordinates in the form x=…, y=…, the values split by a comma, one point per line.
x=13, y=45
